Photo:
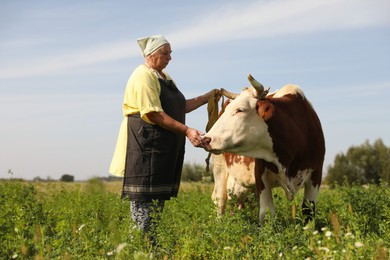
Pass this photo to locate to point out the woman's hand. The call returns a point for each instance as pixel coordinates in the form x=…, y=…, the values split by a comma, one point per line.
x=195, y=137
x=217, y=95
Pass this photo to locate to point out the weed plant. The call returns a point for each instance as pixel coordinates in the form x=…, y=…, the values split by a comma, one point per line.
x=90, y=222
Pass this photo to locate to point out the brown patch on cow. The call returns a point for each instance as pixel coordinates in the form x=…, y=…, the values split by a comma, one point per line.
x=265, y=109
x=260, y=167
x=294, y=129
x=232, y=158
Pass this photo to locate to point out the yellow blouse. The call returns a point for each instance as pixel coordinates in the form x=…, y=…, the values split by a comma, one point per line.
x=142, y=95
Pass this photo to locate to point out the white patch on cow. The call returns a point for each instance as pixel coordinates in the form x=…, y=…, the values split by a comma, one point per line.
x=266, y=202
x=289, y=89
x=294, y=184
x=311, y=192
x=290, y=186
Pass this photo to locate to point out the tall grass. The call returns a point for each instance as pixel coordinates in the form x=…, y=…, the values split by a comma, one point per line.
x=90, y=221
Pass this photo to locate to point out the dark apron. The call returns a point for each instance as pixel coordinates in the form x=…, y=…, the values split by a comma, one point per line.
x=154, y=156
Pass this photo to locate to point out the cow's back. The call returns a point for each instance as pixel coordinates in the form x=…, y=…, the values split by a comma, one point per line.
x=297, y=134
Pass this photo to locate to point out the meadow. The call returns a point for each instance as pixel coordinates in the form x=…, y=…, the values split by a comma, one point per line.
x=88, y=220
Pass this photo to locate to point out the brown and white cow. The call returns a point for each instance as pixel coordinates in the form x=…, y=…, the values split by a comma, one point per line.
x=234, y=176
x=283, y=132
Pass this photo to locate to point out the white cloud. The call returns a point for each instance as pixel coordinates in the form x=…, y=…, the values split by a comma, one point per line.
x=91, y=55
x=239, y=21
x=275, y=18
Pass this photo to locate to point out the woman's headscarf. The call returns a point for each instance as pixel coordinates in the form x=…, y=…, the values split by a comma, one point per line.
x=149, y=44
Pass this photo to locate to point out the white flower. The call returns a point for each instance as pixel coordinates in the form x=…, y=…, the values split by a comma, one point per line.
x=328, y=233
x=324, y=249
x=120, y=247
x=305, y=227
x=14, y=256
x=227, y=248
x=324, y=228
x=80, y=228
x=110, y=253
x=358, y=244
x=348, y=234
x=315, y=232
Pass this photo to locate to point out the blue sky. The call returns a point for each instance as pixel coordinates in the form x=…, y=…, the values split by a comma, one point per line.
x=64, y=66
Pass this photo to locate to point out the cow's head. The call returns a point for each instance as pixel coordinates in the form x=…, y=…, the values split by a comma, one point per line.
x=241, y=128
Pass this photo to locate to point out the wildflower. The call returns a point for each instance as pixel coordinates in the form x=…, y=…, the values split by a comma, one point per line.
x=280, y=255
x=80, y=228
x=305, y=227
x=328, y=233
x=348, y=234
x=344, y=251
x=323, y=229
x=315, y=232
x=14, y=256
x=227, y=248
x=120, y=247
x=358, y=244
x=324, y=249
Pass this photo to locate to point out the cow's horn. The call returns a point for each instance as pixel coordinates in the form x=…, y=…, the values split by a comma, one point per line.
x=228, y=94
x=257, y=85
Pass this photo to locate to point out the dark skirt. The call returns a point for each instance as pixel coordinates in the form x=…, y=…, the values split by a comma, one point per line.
x=154, y=162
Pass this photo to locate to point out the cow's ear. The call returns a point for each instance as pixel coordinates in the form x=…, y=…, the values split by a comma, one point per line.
x=265, y=109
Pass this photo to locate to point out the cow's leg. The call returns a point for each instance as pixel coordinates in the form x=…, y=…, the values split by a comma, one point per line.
x=239, y=192
x=309, y=200
x=219, y=195
x=242, y=197
x=266, y=201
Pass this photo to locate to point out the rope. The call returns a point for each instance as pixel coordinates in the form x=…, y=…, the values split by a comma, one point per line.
x=212, y=110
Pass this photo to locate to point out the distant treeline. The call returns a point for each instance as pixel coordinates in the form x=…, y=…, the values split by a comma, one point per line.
x=191, y=172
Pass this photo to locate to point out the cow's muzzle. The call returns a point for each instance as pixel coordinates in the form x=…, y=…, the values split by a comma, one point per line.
x=207, y=146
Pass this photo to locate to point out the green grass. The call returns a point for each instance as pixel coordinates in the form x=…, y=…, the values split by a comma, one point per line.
x=90, y=221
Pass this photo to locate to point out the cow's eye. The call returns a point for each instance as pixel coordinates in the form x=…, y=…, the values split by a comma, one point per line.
x=239, y=110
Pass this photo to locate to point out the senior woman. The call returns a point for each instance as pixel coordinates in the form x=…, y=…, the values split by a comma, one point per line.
x=150, y=148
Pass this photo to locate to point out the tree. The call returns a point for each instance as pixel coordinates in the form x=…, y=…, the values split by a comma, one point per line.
x=67, y=178
x=367, y=163
x=195, y=172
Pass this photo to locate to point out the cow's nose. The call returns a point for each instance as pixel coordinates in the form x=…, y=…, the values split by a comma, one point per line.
x=206, y=140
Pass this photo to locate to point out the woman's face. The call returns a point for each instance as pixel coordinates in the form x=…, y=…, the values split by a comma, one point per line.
x=160, y=59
